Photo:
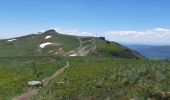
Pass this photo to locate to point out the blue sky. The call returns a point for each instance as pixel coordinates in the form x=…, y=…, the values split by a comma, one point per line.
x=20, y=17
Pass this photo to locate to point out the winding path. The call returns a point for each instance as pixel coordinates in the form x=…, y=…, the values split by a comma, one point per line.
x=82, y=50
x=29, y=95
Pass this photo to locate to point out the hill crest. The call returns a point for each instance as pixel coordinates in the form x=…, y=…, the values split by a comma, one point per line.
x=51, y=42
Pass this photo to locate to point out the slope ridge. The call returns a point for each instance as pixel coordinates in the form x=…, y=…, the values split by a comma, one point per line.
x=52, y=43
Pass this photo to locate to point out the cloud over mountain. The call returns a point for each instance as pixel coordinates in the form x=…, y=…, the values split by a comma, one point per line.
x=153, y=36
x=73, y=32
x=160, y=36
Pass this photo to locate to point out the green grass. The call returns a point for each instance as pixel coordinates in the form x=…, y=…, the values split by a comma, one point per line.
x=89, y=77
x=86, y=43
x=83, y=39
x=107, y=78
x=16, y=72
x=69, y=43
x=113, y=49
x=29, y=45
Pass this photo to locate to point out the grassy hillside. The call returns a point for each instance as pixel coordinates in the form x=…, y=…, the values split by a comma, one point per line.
x=16, y=72
x=95, y=78
x=17, y=56
x=112, y=79
x=112, y=49
x=61, y=45
x=29, y=45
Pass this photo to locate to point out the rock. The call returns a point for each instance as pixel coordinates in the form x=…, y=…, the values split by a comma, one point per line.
x=35, y=83
x=60, y=82
x=73, y=55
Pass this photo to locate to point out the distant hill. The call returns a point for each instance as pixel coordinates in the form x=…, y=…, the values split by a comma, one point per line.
x=46, y=43
x=53, y=43
x=152, y=52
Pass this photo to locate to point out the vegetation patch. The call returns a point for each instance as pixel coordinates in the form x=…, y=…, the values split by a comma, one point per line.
x=108, y=78
x=15, y=73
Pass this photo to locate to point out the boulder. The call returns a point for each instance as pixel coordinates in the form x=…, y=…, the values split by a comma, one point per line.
x=35, y=83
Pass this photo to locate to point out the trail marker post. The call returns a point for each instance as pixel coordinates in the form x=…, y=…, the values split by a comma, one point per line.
x=34, y=67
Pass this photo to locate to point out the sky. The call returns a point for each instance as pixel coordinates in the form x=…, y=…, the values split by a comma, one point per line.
x=124, y=21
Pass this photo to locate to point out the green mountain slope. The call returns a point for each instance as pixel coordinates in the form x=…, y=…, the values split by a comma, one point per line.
x=30, y=45
x=113, y=49
x=101, y=78
x=53, y=43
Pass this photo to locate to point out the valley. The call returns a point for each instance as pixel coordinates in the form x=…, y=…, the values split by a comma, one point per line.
x=154, y=52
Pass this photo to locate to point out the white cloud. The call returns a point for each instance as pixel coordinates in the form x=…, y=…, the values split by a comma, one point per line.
x=153, y=36
x=72, y=32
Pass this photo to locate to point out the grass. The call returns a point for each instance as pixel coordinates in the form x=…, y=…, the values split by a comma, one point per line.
x=87, y=78
x=113, y=49
x=107, y=78
x=97, y=76
x=69, y=43
x=83, y=39
x=29, y=45
x=86, y=43
x=16, y=72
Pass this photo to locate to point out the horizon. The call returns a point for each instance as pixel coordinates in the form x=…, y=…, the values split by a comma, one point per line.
x=124, y=21
x=82, y=34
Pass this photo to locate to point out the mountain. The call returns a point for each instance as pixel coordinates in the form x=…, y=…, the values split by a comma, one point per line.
x=53, y=43
x=151, y=51
x=46, y=43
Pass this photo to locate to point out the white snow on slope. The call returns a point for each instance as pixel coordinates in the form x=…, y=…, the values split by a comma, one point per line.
x=45, y=44
x=12, y=40
x=47, y=37
x=73, y=55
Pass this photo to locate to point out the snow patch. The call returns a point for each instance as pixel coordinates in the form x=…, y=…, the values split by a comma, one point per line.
x=12, y=40
x=47, y=37
x=73, y=55
x=45, y=44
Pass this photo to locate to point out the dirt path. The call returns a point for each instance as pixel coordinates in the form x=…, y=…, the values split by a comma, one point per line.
x=81, y=43
x=94, y=47
x=29, y=95
x=45, y=81
x=83, y=52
